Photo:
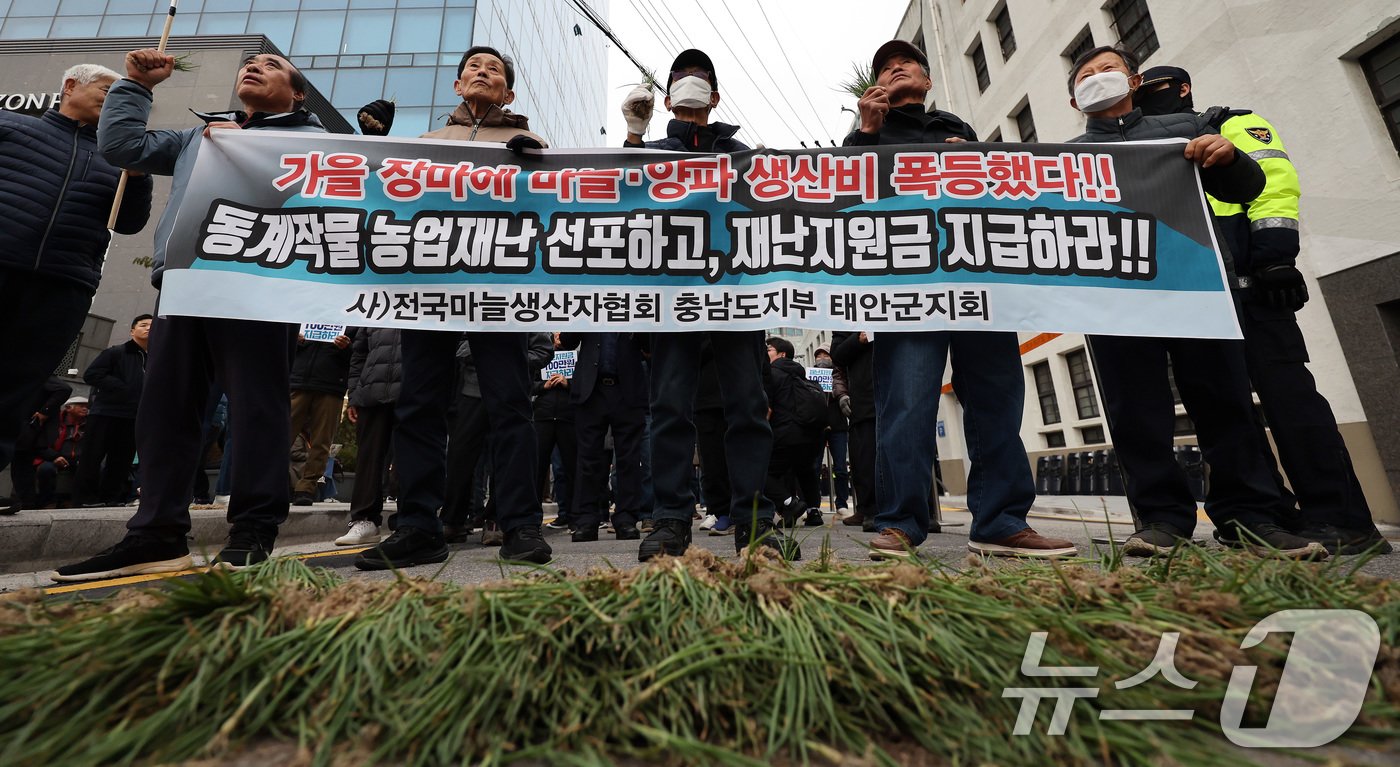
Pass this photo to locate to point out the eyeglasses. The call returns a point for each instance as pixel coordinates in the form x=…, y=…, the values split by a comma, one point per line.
x=678, y=75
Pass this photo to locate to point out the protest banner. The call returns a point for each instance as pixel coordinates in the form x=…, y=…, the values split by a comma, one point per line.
x=821, y=376
x=1110, y=238
x=562, y=364
x=312, y=331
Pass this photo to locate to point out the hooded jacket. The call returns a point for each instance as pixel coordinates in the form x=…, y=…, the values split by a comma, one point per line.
x=322, y=367
x=55, y=194
x=682, y=136
x=124, y=141
x=498, y=125
x=912, y=124
x=116, y=376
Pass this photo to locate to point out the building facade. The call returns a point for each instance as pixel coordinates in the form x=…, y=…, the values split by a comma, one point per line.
x=357, y=51
x=1330, y=84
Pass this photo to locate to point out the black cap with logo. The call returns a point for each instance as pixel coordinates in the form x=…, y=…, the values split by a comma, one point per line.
x=687, y=59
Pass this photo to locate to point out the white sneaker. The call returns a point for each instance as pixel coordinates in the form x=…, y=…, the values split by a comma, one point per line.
x=708, y=523
x=843, y=512
x=221, y=500
x=363, y=531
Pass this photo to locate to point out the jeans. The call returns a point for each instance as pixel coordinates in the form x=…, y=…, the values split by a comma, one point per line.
x=990, y=384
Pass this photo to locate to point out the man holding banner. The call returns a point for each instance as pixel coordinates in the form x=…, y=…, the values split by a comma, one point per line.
x=187, y=355
x=1243, y=499
x=987, y=374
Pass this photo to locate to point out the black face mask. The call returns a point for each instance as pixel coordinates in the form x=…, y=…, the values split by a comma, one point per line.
x=1163, y=102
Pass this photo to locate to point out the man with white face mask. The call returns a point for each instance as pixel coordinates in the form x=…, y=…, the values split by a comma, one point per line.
x=739, y=357
x=1242, y=498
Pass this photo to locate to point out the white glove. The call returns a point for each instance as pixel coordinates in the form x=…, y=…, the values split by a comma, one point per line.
x=637, y=108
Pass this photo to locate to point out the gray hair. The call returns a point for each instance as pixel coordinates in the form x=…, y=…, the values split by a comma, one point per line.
x=87, y=73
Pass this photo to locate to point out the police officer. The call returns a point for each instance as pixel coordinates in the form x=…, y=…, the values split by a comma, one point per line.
x=1263, y=236
x=1244, y=498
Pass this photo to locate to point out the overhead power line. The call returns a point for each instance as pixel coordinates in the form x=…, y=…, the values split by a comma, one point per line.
x=757, y=88
x=782, y=92
x=791, y=68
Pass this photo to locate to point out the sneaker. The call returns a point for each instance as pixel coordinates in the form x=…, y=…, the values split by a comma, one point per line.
x=245, y=549
x=133, y=555
x=844, y=512
x=1271, y=540
x=361, y=531
x=526, y=544
x=1026, y=543
x=1348, y=541
x=765, y=533
x=8, y=506
x=708, y=523
x=813, y=518
x=790, y=510
x=668, y=536
x=491, y=535
x=219, y=500
x=892, y=543
x=629, y=532
x=303, y=499
x=1155, y=539
x=558, y=523
x=408, y=546
x=723, y=526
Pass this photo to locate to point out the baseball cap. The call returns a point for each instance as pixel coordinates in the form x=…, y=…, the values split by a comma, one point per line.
x=1156, y=75
x=692, y=57
x=76, y=400
x=896, y=48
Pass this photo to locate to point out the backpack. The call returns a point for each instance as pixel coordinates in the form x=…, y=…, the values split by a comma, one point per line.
x=806, y=401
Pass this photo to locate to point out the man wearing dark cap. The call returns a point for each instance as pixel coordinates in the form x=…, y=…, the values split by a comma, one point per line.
x=740, y=358
x=1263, y=237
x=987, y=374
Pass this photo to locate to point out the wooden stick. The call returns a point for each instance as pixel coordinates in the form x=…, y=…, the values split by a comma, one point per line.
x=121, y=182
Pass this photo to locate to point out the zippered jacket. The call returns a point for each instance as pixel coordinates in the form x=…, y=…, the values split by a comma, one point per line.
x=496, y=126
x=55, y=194
x=123, y=139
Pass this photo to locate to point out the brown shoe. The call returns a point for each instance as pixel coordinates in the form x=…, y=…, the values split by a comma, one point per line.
x=891, y=543
x=1027, y=543
x=855, y=520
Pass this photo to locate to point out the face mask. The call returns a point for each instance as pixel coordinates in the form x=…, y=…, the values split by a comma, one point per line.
x=824, y=362
x=692, y=92
x=1163, y=102
x=1101, y=91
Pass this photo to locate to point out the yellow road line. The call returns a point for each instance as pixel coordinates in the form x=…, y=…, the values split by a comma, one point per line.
x=133, y=579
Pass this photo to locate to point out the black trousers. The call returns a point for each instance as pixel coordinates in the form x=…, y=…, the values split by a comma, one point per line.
x=863, y=467
x=1305, y=433
x=602, y=410
x=374, y=430
x=251, y=362
x=1214, y=387
x=41, y=316
x=420, y=442
x=792, y=464
x=549, y=434
x=109, y=447
x=714, y=469
x=748, y=439
x=465, y=446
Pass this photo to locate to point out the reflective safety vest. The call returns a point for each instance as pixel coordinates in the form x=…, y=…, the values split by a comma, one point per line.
x=1265, y=231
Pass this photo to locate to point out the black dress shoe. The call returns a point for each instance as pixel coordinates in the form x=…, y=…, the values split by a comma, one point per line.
x=585, y=534
x=628, y=533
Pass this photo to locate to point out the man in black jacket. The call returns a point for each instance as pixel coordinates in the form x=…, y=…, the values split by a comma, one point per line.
x=1243, y=500
x=797, y=441
x=55, y=195
x=319, y=376
x=908, y=368
x=116, y=377
x=609, y=391
x=691, y=93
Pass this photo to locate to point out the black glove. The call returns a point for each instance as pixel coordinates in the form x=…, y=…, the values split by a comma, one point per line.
x=376, y=118
x=522, y=142
x=1280, y=286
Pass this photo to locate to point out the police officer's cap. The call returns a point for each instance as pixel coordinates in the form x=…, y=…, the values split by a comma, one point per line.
x=896, y=48
x=693, y=57
x=1165, y=74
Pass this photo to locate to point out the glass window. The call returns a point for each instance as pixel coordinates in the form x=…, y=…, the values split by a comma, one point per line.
x=1054, y=438
x=185, y=24
x=1025, y=125
x=1092, y=435
x=278, y=26
x=222, y=23
x=443, y=90
x=400, y=59
x=81, y=7
x=457, y=29
x=367, y=31
x=35, y=8
x=326, y=62
x=1382, y=68
x=1086, y=400
x=1082, y=44
x=352, y=61
x=1045, y=390
x=372, y=3
x=317, y=5
x=411, y=122
x=20, y=29
x=318, y=32
x=1134, y=25
x=412, y=86
x=75, y=26
x=225, y=5
x=1005, y=35
x=979, y=66
x=416, y=31
x=376, y=61
x=323, y=80
x=359, y=86
x=1183, y=426
x=134, y=6
x=276, y=5
x=124, y=26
